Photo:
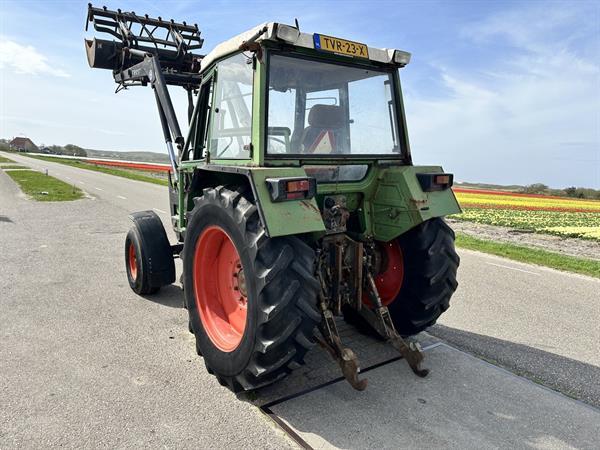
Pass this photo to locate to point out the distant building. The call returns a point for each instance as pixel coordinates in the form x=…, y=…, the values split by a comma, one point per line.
x=23, y=144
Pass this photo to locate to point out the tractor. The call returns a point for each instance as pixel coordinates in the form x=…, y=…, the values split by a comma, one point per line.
x=293, y=196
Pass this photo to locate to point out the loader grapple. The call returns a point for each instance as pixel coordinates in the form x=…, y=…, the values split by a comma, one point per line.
x=172, y=42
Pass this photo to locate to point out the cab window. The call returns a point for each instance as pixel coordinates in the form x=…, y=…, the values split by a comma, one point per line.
x=231, y=118
x=330, y=109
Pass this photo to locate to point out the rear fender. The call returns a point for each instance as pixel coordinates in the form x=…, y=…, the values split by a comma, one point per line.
x=279, y=218
x=286, y=217
x=399, y=202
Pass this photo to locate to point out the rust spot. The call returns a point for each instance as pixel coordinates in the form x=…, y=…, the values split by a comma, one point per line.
x=308, y=205
x=418, y=201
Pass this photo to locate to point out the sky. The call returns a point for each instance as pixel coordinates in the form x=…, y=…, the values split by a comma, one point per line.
x=496, y=91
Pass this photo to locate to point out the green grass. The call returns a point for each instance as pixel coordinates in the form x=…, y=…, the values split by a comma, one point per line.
x=531, y=255
x=3, y=159
x=34, y=183
x=131, y=174
x=13, y=166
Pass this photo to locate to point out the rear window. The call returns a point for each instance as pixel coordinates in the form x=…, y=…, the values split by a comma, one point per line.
x=334, y=174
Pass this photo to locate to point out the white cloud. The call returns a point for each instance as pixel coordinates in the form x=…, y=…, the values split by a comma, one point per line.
x=26, y=60
x=510, y=121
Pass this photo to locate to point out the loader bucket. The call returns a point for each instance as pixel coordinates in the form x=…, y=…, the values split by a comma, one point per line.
x=137, y=36
x=102, y=54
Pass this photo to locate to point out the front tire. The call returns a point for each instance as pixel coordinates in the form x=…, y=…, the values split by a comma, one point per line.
x=249, y=349
x=137, y=271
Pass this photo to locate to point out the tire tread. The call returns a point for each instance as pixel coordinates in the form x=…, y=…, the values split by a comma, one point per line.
x=287, y=295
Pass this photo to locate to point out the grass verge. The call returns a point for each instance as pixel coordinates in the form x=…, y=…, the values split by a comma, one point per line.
x=531, y=255
x=34, y=183
x=132, y=175
x=3, y=159
x=13, y=166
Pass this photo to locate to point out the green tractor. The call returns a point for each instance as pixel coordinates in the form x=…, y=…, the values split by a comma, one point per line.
x=293, y=197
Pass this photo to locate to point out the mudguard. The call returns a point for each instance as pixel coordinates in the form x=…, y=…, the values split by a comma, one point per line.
x=289, y=217
x=399, y=203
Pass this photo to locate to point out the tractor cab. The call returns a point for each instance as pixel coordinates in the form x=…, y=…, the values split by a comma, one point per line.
x=275, y=94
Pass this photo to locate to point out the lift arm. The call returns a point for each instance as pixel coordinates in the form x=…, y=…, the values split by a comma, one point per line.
x=149, y=51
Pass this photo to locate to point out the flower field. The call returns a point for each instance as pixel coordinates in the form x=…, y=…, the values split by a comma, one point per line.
x=543, y=214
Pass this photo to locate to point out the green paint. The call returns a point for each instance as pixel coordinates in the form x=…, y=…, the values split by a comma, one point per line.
x=288, y=217
x=399, y=204
x=259, y=112
x=388, y=202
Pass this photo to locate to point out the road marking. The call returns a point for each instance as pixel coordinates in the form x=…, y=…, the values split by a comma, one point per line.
x=82, y=182
x=512, y=268
x=121, y=197
x=99, y=189
x=159, y=210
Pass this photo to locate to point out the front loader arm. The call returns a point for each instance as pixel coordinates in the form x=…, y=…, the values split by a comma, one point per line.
x=142, y=57
x=150, y=71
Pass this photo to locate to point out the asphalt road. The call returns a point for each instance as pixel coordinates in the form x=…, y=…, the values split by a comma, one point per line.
x=84, y=358
x=86, y=363
x=122, y=193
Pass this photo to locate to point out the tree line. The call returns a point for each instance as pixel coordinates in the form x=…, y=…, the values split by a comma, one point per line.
x=571, y=191
x=69, y=149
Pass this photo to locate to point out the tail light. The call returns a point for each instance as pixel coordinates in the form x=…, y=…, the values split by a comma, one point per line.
x=283, y=189
x=435, y=181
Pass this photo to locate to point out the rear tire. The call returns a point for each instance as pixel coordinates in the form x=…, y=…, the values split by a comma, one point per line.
x=281, y=293
x=430, y=267
x=430, y=264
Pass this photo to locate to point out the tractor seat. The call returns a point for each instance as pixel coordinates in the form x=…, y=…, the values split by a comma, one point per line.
x=324, y=125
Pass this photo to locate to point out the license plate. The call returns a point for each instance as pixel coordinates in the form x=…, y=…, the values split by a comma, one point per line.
x=340, y=46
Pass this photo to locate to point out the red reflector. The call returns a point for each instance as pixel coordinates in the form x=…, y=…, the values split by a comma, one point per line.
x=295, y=195
x=298, y=186
x=442, y=179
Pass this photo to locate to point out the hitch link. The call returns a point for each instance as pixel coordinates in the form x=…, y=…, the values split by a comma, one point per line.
x=345, y=357
x=410, y=351
x=382, y=322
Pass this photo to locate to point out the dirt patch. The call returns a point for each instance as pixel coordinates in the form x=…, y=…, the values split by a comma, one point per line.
x=567, y=246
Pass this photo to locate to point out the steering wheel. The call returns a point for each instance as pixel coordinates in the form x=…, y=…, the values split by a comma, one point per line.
x=281, y=141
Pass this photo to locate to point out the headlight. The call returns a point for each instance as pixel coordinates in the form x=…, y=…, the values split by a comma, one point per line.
x=401, y=58
x=287, y=33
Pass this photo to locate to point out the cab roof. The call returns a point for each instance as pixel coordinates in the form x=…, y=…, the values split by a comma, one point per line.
x=268, y=31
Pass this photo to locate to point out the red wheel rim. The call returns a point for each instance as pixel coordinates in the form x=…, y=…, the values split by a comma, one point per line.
x=132, y=261
x=220, y=288
x=389, y=280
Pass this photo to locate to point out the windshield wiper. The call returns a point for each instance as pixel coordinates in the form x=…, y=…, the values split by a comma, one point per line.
x=391, y=114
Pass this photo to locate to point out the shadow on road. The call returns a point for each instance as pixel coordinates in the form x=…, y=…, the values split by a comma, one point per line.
x=171, y=296
x=463, y=403
x=574, y=378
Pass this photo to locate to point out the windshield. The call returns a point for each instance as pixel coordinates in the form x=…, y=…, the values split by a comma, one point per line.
x=318, y=108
